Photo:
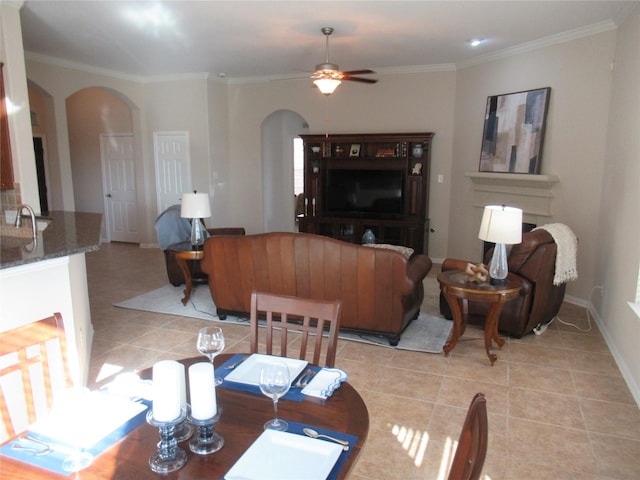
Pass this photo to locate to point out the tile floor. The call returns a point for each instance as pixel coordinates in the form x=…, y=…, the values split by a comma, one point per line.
x=558, y=406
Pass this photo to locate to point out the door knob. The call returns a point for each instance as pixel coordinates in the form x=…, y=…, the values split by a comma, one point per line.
x=108, y=195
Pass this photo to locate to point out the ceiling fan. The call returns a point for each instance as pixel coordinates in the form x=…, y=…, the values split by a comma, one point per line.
x=328, y=75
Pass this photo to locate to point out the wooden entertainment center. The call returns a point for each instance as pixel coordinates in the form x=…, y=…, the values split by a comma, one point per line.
x=355, y=182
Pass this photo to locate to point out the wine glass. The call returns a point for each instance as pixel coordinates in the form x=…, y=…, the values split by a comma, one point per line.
x=274, y=383
x=211, y=343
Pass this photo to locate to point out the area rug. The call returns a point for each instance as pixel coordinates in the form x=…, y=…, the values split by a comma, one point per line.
x=427, y=333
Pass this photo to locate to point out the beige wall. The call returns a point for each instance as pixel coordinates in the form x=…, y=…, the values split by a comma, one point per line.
x=617, y=254
x=180, y=105
x=218, y=121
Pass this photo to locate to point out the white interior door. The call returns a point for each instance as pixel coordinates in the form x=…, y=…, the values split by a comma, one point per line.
x=173, y=167
x=118, y=179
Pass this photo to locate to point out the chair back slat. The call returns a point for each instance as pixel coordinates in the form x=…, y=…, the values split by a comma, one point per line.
x=472, y=445
x=308, y=318
x=33, y=365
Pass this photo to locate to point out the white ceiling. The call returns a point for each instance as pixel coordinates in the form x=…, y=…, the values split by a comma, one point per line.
x=270, y=39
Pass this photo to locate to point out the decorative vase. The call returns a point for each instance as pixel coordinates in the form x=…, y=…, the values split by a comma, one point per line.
x=417, y=150
x=368, y=237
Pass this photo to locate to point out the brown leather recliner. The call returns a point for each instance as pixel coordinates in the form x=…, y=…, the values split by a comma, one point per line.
x=533, y=260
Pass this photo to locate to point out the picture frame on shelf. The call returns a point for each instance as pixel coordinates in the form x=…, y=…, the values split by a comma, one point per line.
x=514, y=127
x=354, y=151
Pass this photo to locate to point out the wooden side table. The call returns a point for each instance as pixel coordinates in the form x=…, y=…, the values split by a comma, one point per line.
x=458, y=291
x=181, y=259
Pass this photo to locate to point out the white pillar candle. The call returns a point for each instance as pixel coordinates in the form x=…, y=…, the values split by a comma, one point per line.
x=166, y=390
x=183, y=387
x=202, y=390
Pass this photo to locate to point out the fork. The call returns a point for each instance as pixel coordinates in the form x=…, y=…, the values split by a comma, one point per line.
x=302, y=381
x=46, y=448
x=306, y=377
x=234, y=365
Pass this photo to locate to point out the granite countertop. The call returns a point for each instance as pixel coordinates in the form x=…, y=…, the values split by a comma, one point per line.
x=68, y=233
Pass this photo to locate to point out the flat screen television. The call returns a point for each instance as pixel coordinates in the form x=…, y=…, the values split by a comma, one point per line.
x=362, y=193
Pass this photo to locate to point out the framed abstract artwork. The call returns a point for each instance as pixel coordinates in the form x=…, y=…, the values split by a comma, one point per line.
x=513, y=135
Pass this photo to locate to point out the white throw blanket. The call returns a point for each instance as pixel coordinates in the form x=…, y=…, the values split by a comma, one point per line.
x=567, y=251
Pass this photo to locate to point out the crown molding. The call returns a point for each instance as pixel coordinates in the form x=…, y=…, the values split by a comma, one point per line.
x=59, y=62
x=541, y=43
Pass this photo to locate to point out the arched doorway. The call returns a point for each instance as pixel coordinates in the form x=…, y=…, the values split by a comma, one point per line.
x=278, y=132
x=102, y=155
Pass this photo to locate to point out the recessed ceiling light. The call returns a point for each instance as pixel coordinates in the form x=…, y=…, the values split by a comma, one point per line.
x=474, y=42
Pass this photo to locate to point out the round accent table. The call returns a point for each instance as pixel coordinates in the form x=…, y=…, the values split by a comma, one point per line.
x=185, y=256
x=458, y=290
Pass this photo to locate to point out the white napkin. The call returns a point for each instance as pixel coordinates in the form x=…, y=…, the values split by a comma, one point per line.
x=325, y=382
x=85, y=421
x=130, y=385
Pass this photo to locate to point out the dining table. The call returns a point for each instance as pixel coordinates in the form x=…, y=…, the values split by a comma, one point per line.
x=243, y=414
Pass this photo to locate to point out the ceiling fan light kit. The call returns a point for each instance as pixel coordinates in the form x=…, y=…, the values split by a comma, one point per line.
x=328, y=76
x=327, y=85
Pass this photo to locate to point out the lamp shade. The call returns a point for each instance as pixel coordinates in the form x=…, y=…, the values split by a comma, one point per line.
x=501, y=224
x=195, y=205
x=327, y=85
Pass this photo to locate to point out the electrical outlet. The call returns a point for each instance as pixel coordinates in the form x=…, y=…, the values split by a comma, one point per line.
x=440, y=178
x=601, y=288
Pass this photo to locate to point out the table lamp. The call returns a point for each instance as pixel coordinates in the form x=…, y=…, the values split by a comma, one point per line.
x=500, y=225
x=196, y=206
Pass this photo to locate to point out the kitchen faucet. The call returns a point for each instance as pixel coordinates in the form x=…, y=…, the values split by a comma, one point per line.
x=33, y=218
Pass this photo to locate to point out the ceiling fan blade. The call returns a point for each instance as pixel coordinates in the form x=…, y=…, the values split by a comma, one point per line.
x=359, y=79
x=358, y=72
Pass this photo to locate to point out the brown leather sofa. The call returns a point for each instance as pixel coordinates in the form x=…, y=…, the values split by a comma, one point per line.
x=381, y=290
x=534, y=261
x=176, y=277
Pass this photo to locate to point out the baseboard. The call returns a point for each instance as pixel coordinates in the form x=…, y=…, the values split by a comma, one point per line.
x=634, y=388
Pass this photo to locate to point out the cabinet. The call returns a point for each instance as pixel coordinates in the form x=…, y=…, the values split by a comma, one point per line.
x=355, y=182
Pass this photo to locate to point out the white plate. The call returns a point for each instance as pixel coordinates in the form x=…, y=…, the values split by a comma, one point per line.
x=285, y=456
x=249, y=371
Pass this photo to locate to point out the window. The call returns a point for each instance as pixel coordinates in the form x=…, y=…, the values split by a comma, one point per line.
x=298, y=166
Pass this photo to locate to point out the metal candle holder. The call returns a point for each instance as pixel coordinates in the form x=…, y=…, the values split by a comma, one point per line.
x=169, y=456
x=207, y=441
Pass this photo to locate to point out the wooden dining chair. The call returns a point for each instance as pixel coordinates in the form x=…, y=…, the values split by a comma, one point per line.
x=472, y=443
x=293, y=314
x=33, y=366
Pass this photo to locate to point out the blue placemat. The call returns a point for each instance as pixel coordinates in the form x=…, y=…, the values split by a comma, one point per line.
x=295, y=427
x=294, y=393
x=53, y=461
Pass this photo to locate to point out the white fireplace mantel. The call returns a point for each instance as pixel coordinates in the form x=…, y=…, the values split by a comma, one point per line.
x=532, y=193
